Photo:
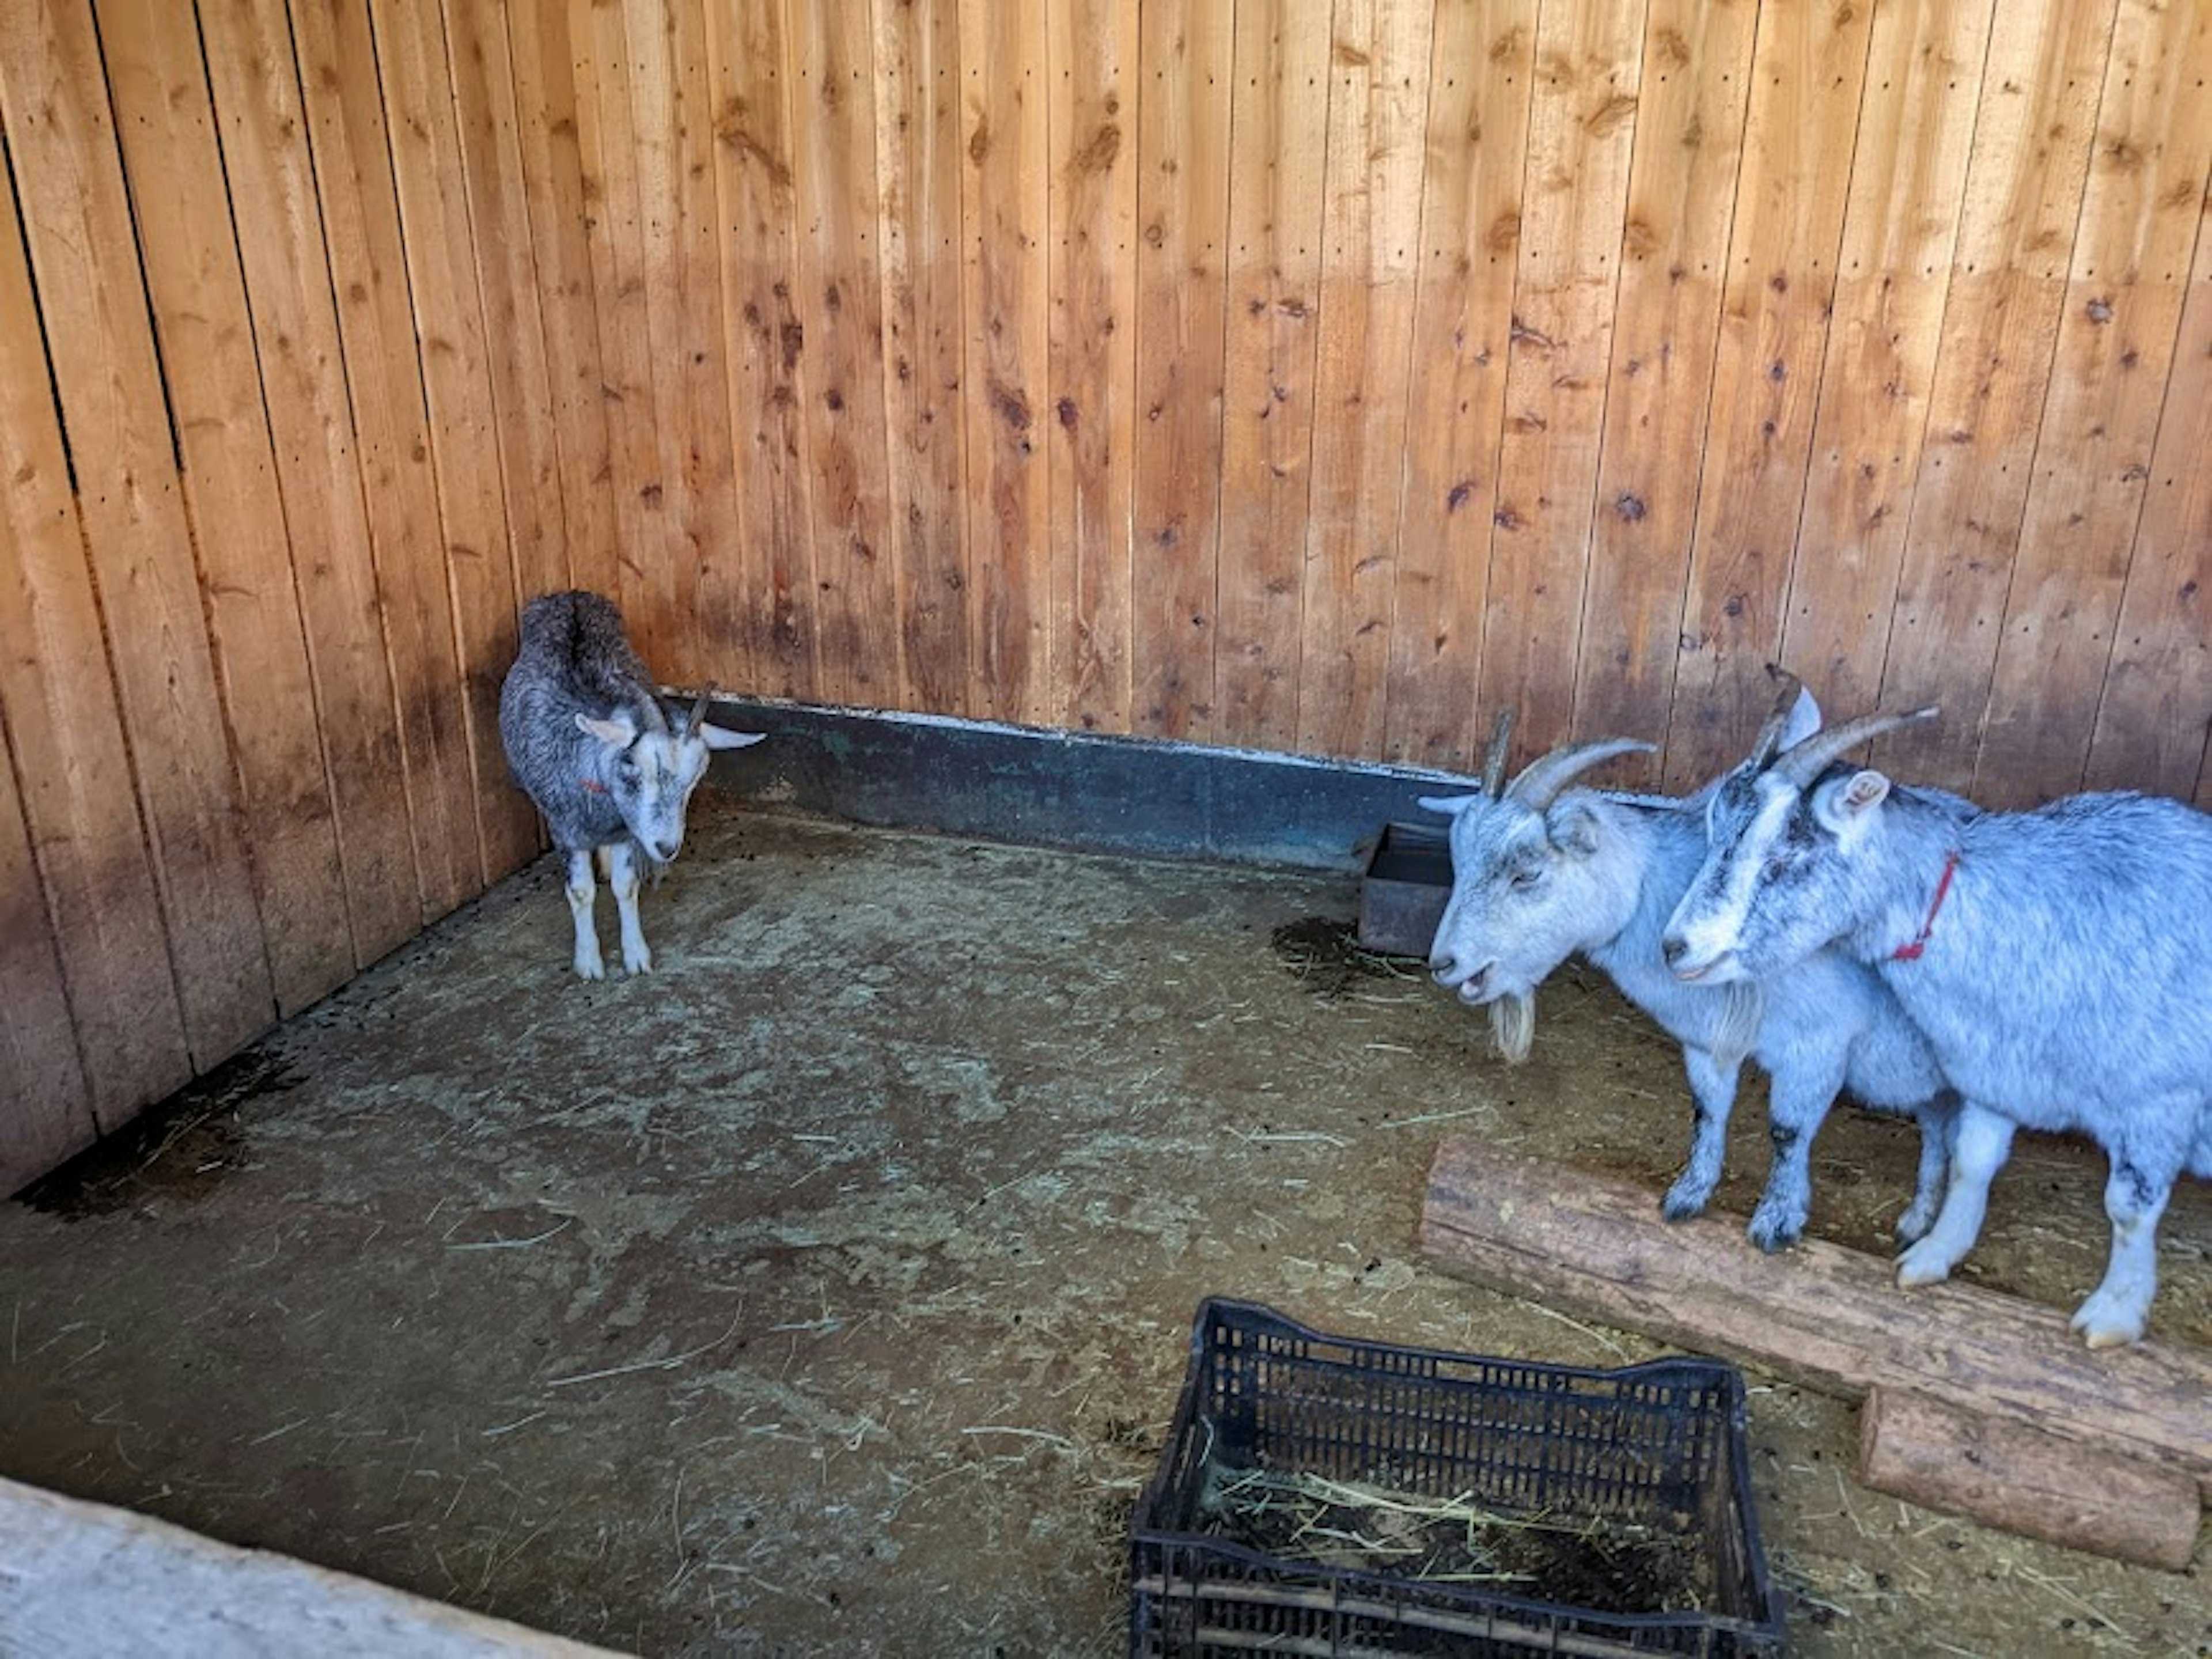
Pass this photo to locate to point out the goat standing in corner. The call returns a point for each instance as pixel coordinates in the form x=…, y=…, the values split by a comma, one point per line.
x=590, y=744
x=2056, y=961
x=1541, y=871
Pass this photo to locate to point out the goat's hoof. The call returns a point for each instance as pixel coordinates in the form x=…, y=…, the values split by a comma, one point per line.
x=1773, y=1236
x=1913, y=1226
x=2104, y=1326
x=1681, y=1206
x=638, y=963
x=590, y=968
x=1919, y=1266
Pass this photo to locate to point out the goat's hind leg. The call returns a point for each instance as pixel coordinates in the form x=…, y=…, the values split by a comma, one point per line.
x=1939, y=1127
x=1712, y=1090
x=583, y=891
x=1979, y=1147
x=624, y=876
x=2136, y=1193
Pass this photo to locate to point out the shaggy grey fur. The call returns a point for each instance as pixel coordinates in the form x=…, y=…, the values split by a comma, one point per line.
x=590, y=744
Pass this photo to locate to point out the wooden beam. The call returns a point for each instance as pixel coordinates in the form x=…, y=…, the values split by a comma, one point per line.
x=2026, y=1480
x=1827, y=1316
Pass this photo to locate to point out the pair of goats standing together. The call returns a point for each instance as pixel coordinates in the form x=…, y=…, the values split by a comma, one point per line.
x=1980, y=971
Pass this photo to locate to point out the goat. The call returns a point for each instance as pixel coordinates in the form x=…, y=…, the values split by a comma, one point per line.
x=1541, y=872
x=2054, y=959
x=589, y=743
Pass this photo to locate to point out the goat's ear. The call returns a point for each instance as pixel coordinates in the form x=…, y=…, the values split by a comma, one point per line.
x=1804, y=721
x=1849, y=804
x=718, y=738
x=1572, y=825
x=619, y=732
x=1450, y=806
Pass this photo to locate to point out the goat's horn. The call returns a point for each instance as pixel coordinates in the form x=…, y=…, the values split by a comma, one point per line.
x=1543, y=780
x=1810, y=758
x=698, y=714
x=1787, y=686
x=1493, y=760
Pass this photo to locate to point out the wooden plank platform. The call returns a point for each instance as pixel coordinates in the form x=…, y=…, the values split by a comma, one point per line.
x=86, y=1581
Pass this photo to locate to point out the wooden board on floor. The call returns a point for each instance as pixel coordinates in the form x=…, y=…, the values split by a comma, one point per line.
x=86, y=1581
x=1830, y=1317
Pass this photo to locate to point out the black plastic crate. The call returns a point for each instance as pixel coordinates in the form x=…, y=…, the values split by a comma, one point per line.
x=1656, y=1449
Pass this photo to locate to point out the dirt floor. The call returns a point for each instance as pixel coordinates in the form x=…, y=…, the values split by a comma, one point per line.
x=827, y=1291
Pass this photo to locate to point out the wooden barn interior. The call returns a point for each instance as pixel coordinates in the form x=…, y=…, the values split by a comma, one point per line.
x=1307, y=377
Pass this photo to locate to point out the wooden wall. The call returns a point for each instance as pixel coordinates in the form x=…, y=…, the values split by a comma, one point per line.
x=1316, y=375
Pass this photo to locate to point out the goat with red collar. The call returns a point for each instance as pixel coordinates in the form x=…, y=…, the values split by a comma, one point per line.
x=2054, y=960
x=590, y=744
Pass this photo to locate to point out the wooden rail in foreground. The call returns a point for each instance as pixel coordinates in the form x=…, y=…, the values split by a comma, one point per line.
x=1833, y=1319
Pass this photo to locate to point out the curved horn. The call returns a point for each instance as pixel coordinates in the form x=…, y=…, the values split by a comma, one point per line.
x=1787, y=686
x=1536, y=787
x=697, y=717
x=1810, y=758
x=1493, y=761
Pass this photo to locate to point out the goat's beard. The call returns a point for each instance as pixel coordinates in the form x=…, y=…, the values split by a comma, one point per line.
x=1513, y=1025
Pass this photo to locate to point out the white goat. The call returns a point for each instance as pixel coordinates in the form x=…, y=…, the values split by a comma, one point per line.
x=1541, y=872
x=2056, y=960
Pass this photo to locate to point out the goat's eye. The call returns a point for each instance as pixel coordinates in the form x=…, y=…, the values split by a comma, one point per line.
x=1775, y=868
x=1528, y=876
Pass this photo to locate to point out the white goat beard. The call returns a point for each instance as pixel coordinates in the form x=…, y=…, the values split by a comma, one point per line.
x=1513, y=1026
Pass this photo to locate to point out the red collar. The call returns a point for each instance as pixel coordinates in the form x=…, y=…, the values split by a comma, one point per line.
x=594, y=785
x=1911, y=951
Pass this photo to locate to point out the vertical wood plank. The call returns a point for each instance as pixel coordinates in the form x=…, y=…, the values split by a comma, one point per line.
x=157, y=84
x=271, y=177
x=1278, y=142
x=2153, y=718
x=440, y=249
x=45, y=1108
x=2093, y=447
x=352, y=154
x=541, y=67
x=1005, y=215
x=1370, y=236
x=615, y=211
x=115, y=410
x=1808, y=65
x=1092, y=50
x=1900, y=227
x=771, y=612
x=1184, y=71
x=1480, y=77
x=489, y=128
x=831, y=75
x=1582, y=129
x=918, y=139
x=1682, y=201
x=65, y=737
x=2025, y=181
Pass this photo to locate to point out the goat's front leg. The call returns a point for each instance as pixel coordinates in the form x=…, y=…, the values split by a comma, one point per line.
x=623, y=876
x=583, y=891
x=1713, y=1088
x=1979, y=1147
x=1796, y=1107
